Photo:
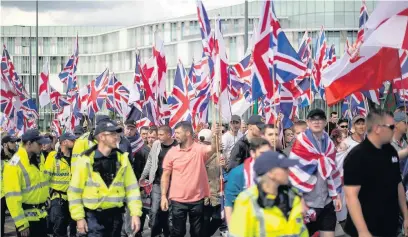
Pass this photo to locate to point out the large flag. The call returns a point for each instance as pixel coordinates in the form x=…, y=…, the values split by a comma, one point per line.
x=97, y=93
x=118, y=97
x=388, y=25
x=262, y=55
x=222, y=81
x=180, y=99
x=44, y=86
x=68, y=73
x=205, y=29
x=135, y=88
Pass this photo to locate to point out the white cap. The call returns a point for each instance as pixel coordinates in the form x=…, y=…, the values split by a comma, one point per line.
x=206, y=133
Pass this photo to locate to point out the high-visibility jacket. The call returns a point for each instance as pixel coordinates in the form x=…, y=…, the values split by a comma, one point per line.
x=58, y=171
x=3, y=162
x=26, y=184
x=88, y=190
x=81, y=145
x=249, y=219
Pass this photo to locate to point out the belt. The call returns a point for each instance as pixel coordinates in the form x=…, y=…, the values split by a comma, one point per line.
x=106, y=211
x=57, y=191
x=34, y=206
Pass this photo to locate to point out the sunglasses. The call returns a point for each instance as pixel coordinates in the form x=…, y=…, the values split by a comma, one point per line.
x=390, y=126
x=235, y=122
x=344, y=126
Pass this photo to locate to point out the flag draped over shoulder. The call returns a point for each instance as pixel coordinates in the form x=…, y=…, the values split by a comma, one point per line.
x=314, y=161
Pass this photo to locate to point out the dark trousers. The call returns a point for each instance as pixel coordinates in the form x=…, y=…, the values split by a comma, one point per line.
x=179, y=212
x=159, y=218
x=3, y=214
x=105, y=223
x=212, y=220
x=37, y=228
x=60, y=219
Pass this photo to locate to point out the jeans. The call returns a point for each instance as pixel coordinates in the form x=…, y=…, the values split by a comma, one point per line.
x=179, y=212
x=127, y=224
x=105, y=223
x=212, y=220
x=159, y=219
x=60, y=218
x=37, y=228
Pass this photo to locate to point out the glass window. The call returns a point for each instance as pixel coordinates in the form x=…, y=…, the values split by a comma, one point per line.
x=339, y=19
x=302, y=7
x=350, y=20
x=319, y=21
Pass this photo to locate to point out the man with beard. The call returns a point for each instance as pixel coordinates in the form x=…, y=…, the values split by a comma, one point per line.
x=58, y=169
x=188, y=186
x=140, y=152
x=231, y=136
x=9, y=147
x=27, y=186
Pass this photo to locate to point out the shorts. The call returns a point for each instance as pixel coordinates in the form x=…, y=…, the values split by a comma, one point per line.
x=325, y=220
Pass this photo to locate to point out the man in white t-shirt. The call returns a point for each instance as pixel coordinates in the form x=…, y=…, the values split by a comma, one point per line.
x=231, y=136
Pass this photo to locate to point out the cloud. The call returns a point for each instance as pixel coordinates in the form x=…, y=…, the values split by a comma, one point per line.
x=100, y=13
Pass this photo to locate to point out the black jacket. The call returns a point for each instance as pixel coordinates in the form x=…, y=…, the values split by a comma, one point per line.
x=239, y=153
x=140, y=160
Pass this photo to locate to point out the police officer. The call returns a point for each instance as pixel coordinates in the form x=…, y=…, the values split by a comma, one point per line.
x=87, y=140
x=102, y=181
x=27, y=186
x=58, y=169
x=269, y=208
x=8, y=148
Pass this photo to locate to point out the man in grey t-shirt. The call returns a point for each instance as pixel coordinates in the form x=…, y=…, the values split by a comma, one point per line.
x=231, y=136
x=398, y=142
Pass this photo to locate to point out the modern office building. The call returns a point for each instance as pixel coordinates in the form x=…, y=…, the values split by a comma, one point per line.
x=115, y=47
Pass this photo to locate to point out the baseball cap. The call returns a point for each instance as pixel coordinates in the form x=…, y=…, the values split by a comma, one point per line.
x=8, y=138
x=34, y=136
x=130, y=122
x=316, y=112
x=235, y=118
x=400, y=116
x=358, y=118
x=67, y=136
x=257, y=120
x=79, y=130
x=270, y=160
x=107, y=126
x=101, y=118
x=205, y=134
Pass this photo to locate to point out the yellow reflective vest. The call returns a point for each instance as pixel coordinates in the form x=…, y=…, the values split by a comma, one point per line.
x=3, y=162
x=26, y=184
x=58, y=171
x=88, y=190
x=249, y=219
x=81, y=145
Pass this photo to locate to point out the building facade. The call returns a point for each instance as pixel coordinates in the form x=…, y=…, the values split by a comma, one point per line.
x=115, y=47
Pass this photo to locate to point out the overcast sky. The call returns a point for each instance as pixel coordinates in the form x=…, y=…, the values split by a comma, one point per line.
x=105, y=13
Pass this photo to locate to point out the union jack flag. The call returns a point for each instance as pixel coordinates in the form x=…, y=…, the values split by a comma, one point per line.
x=180, y=99
x=305, y=51
x=402, y=83
x=320, y=54
x=314, y=161
x=29, y=109
x=68, y=73
x=56, y=127
x=118, y=97
x=97, y=93
x=58, y=101
x=6, y=101
x=205, y=28
x=353, y=105
x=135, y=93
x=262, y=55
x=200, y=76
x=240, y=76
x=10, y=80
x=287, y=63
x=142, y=117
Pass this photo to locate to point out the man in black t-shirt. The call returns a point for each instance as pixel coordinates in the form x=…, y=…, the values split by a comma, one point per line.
x=372, y=182
x=154, y=170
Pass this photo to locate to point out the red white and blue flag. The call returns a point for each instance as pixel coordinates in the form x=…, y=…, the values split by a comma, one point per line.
x=44, y=87
x=68, y=74
x=118, y=97
x=97, y=93
x=58, y=101
x=180, y=99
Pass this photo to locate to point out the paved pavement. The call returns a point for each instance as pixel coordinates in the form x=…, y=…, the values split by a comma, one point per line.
x=11, y=231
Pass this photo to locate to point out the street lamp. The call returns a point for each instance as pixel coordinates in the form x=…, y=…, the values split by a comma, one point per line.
x=30, y=79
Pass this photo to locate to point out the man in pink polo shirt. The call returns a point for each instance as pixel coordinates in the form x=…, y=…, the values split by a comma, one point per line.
x=185, y=163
